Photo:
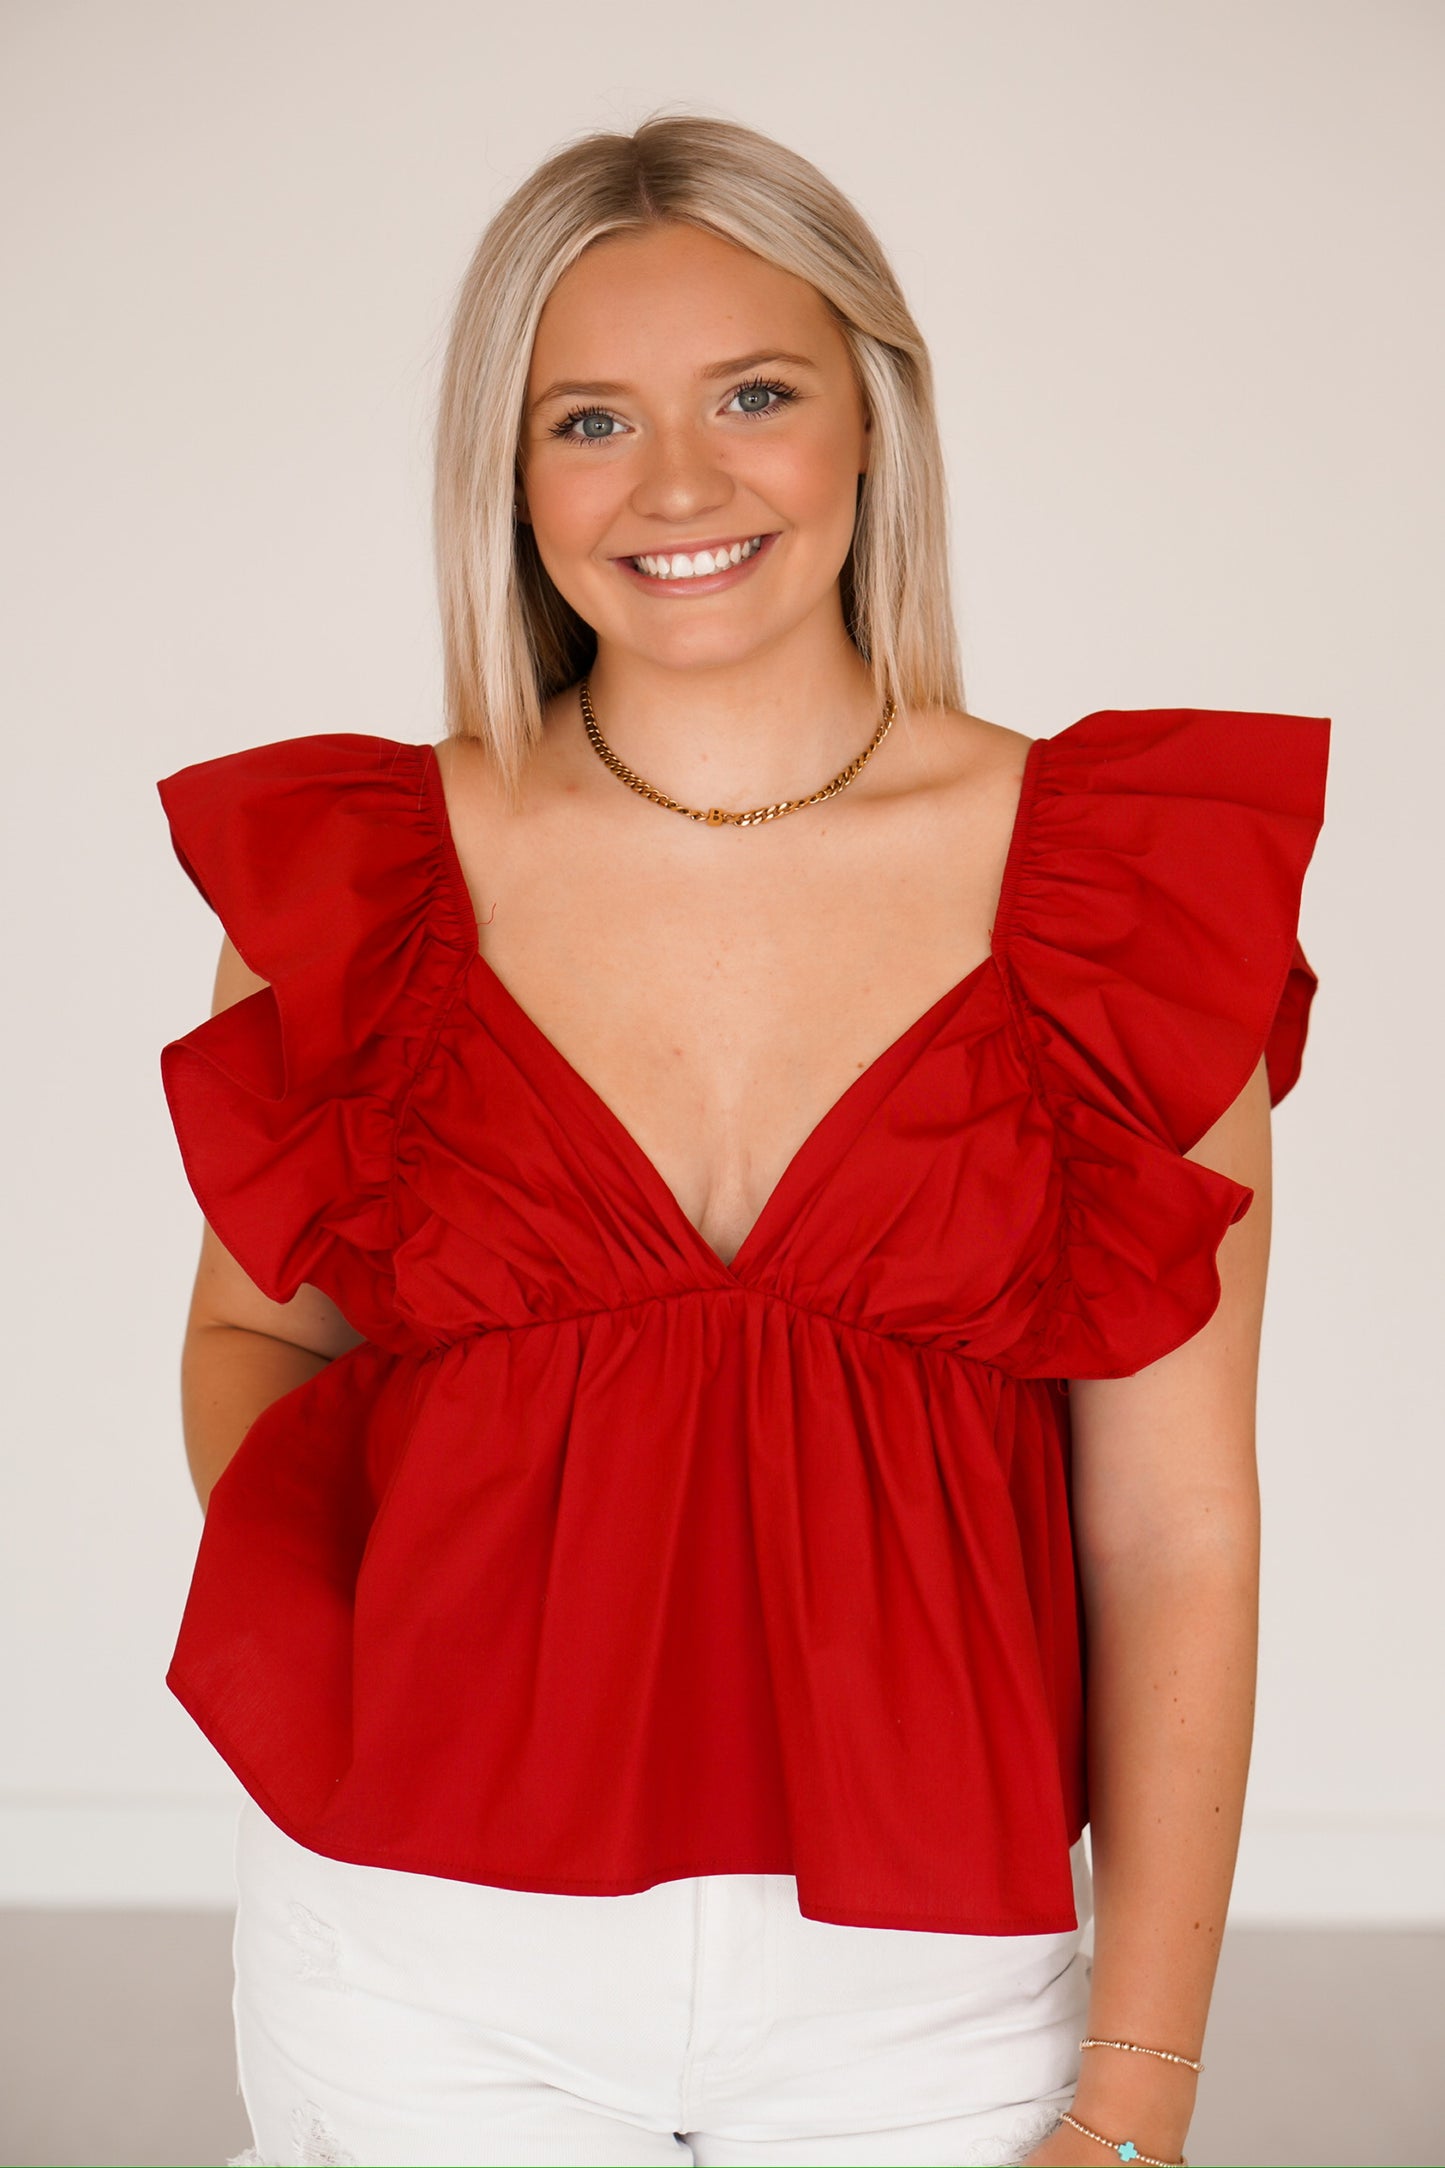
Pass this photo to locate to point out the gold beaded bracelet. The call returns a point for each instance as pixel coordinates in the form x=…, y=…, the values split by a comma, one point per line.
x=1126, y=2148
x=1133, y=2048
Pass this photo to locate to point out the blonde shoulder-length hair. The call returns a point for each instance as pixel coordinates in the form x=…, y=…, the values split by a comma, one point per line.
x=510, y=639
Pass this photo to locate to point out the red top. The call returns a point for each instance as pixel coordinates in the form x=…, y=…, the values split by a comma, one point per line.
x=599, y=1562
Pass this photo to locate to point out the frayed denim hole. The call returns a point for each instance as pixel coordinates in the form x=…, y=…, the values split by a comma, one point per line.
x=314, y=2144
x=317, y=1946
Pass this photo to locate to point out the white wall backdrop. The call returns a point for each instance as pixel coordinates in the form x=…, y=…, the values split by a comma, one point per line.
x=1179, y=268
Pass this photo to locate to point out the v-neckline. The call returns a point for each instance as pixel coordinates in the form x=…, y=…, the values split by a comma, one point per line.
x=800, y=1160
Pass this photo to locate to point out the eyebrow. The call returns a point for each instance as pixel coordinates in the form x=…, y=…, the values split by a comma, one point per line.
x=715, y=369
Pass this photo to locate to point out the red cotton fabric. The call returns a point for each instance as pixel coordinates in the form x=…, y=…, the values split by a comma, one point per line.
x=599, y=1562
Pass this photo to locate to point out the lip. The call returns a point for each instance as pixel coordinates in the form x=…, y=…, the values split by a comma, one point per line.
x=708, y=583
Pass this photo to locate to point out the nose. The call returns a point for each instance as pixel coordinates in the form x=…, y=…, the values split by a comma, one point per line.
x=680, y=477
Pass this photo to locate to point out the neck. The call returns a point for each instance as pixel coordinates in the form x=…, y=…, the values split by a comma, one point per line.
x=776, y=724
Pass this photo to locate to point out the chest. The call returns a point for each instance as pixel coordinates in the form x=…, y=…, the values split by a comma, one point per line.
x=720, y=991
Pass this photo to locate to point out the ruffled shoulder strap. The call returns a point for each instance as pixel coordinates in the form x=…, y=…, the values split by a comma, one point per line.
x=1148, y=932
x=321, y=857
x=1151, y=911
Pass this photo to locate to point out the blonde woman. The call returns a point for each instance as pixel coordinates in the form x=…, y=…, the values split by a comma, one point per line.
x=737, y=1210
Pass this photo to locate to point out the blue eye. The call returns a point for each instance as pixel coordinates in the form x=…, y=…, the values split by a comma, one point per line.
x=762, y=396
x=598, y=426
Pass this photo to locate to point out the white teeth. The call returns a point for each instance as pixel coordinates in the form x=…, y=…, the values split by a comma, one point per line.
x=682, y=567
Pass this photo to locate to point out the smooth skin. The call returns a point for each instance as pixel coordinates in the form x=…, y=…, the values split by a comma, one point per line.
x=721, y=987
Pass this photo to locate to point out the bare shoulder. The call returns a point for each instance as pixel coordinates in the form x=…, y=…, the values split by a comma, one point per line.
x=476, y=799
x=483, y=813
x=957, y=757
x=467, y=768
x=987, y=746
x=470, y=772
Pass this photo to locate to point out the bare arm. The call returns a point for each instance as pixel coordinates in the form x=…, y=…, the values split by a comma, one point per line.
x=242, y=1351
x=1166, y=1504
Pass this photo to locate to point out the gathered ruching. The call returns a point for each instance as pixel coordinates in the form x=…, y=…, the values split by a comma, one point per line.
x=317, y=856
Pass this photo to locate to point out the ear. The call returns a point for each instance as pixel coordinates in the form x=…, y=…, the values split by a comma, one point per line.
x=519, y=501
x=867, y=452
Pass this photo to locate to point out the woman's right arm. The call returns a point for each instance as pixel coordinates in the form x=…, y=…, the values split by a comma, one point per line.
x=241, y=1350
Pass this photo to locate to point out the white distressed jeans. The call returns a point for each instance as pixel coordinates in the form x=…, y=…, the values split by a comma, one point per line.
x=387, y=2017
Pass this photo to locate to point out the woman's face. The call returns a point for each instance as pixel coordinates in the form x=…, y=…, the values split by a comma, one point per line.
x=686, y=396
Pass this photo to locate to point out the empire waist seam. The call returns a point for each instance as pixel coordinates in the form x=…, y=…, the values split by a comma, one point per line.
x=737, y=1292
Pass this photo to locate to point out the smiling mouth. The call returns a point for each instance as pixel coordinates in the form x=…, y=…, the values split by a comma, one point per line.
x=697, y=564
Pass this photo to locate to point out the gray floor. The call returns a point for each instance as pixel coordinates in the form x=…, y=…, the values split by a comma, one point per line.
x=1324, y=2047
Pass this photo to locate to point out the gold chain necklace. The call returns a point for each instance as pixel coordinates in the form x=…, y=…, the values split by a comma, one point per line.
x=716, y=816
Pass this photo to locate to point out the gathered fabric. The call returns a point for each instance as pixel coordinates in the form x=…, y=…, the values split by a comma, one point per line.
x=600, y=1562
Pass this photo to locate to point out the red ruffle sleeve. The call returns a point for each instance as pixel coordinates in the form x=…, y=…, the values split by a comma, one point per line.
x=1148, y=935
x=319, y=856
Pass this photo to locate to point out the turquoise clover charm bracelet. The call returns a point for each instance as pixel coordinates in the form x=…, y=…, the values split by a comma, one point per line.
x=1126, y=2148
